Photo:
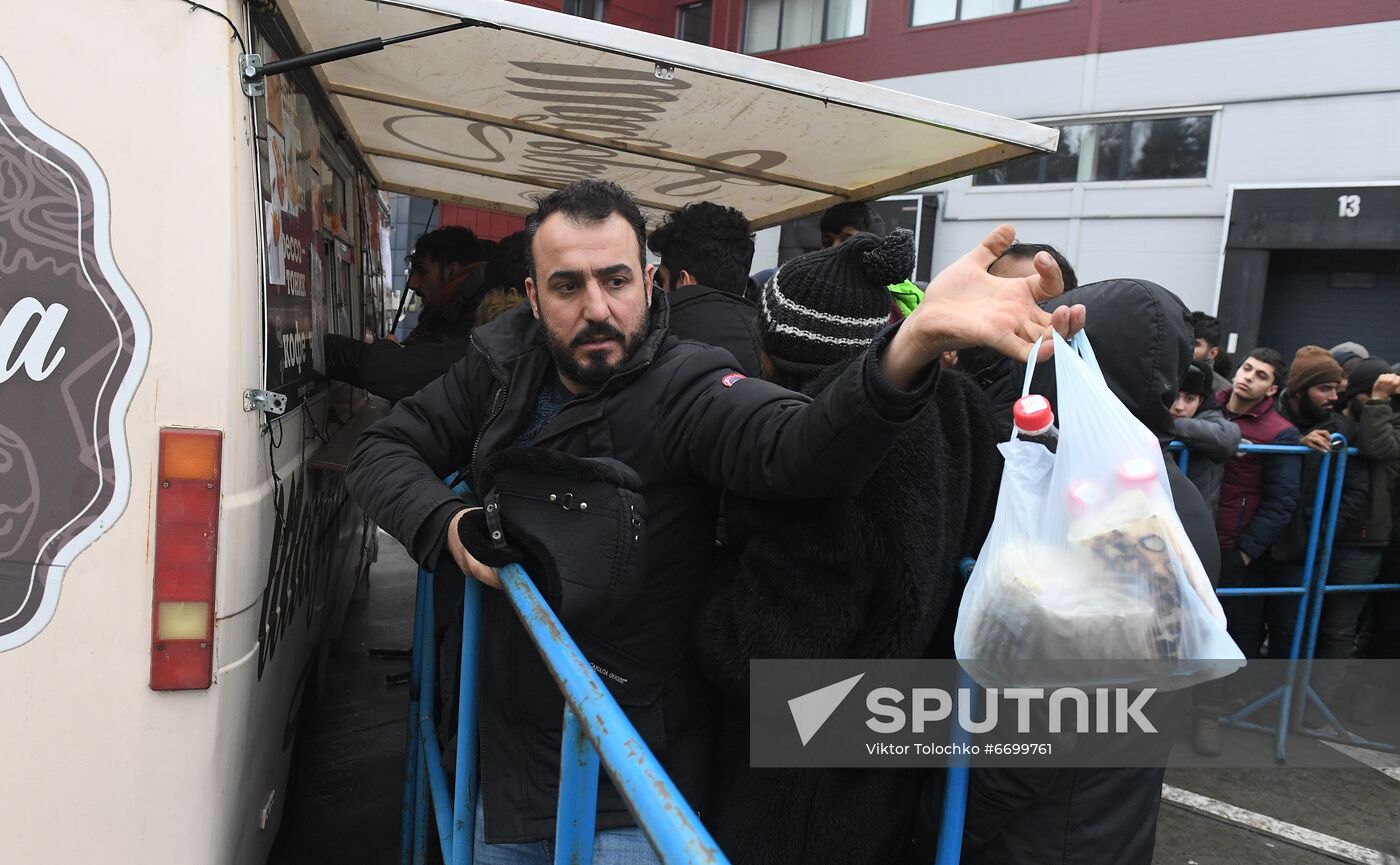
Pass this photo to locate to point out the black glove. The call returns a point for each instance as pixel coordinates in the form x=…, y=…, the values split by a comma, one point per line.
x=477, y=536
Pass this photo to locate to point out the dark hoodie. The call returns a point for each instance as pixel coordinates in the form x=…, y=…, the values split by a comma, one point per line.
x=1142, y=339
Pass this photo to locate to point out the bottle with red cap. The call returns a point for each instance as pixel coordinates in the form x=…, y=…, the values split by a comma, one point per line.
x=1035, y=420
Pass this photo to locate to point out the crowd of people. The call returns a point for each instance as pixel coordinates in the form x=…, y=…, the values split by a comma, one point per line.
x=815, y=449
x=1265, y=503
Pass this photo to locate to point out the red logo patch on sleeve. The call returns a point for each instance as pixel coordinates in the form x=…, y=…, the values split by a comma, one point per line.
x=728, y=381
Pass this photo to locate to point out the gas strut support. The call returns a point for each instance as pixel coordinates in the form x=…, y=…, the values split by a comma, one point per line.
x=255, y=72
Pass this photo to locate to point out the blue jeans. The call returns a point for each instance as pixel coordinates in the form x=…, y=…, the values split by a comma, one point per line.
x=610, y=847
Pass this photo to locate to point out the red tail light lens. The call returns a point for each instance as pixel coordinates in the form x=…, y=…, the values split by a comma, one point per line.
x=187, y=547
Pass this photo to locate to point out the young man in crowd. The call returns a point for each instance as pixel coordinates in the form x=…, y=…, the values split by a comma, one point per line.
x=843, y=221
x=393, y=372
x=1310, y=404
x=1258, y=494
x=1206, y=345
x=705, y=251
x=1210, y=438
x=589, y=369
x=448, y=271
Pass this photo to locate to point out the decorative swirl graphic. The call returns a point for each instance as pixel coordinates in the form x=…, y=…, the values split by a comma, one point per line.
x=74, y=340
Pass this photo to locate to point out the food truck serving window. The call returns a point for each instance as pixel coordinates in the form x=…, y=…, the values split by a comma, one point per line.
x=311, y=214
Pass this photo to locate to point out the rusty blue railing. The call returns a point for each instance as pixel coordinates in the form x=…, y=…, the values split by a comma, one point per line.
x=596, y=732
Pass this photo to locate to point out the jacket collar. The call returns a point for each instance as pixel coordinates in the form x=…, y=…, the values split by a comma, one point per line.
x=692, y=293
x=519, y=333
x=1264, y=407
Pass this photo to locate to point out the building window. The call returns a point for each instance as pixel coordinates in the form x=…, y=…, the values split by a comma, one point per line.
x=918, y=213
x=1158, y=148
x=693, y=23
x=586, y=8
x=939, y=11
x=774, y=24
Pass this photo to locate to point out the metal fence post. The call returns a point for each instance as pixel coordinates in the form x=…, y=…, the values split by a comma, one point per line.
x=1315, y=617
x=466, y=776
x=578, y=795
x=410, y=762
x=950, y=828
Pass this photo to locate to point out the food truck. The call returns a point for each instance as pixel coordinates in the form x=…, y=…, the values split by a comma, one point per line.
x=192, y=195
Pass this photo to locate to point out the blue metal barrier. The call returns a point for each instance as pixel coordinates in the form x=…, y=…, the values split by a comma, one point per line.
x=595, y=731
x=1311, y=594
x=950, y=827
x=1283, y=694
x=1310, y=696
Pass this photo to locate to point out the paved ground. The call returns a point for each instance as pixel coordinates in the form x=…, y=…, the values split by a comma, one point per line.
x=346, y=784
x=347, y=776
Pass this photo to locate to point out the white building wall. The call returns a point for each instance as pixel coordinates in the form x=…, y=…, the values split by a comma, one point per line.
x=1302, y=107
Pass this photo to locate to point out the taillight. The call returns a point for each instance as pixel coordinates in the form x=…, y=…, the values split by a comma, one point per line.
x=187, y=547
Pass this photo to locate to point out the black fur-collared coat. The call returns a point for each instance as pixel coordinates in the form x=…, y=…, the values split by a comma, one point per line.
x=874, y=575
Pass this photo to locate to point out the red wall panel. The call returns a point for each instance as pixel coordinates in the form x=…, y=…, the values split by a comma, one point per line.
x=488, y=224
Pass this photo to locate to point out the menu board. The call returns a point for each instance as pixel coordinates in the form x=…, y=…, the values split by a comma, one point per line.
x=295, y=294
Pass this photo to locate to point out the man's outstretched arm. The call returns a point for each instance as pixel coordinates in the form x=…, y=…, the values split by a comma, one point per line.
x=967, y=306
x=765, y=442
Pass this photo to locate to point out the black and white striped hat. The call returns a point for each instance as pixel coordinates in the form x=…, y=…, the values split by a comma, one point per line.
x=828, y=305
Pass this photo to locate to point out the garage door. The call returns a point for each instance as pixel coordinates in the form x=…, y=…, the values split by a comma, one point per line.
x=1324, y=297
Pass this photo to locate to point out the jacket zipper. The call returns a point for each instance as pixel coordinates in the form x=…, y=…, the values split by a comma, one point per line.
x=497, y=406
x=1239, y=517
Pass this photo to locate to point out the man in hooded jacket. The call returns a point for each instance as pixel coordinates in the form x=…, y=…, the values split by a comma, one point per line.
x=1310, y=403
x=1142, y=340
x=874, y=575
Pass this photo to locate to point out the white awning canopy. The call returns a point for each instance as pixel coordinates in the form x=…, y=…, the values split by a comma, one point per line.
x=531, y=100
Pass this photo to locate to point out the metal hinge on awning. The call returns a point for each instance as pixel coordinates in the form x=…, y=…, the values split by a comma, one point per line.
x=254, y=72
x=270, y=401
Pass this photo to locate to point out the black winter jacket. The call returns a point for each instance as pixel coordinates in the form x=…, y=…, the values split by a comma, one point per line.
x=870, y=576
x=439, y=340
x=679, y=417
x=1290, y=545
x=388, y=370
x=1086, y=816
x=720, y=319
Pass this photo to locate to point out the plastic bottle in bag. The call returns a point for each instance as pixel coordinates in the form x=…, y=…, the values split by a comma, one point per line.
x=1035, y=421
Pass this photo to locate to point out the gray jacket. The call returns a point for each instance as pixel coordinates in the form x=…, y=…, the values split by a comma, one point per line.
x=1211, y=438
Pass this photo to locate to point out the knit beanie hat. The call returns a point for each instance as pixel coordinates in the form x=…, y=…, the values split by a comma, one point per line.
x=1312, y=365
x=826, y=306
x=1199, y=379
x=1345, y=351
x=1363, y=379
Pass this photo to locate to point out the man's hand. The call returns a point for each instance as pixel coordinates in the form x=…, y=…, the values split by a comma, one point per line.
x=967, y=306
x=1318, y=440
x=1385, y=386
x=464, y=559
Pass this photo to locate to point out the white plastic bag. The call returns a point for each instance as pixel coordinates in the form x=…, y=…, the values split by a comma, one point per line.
x=1087, y=577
